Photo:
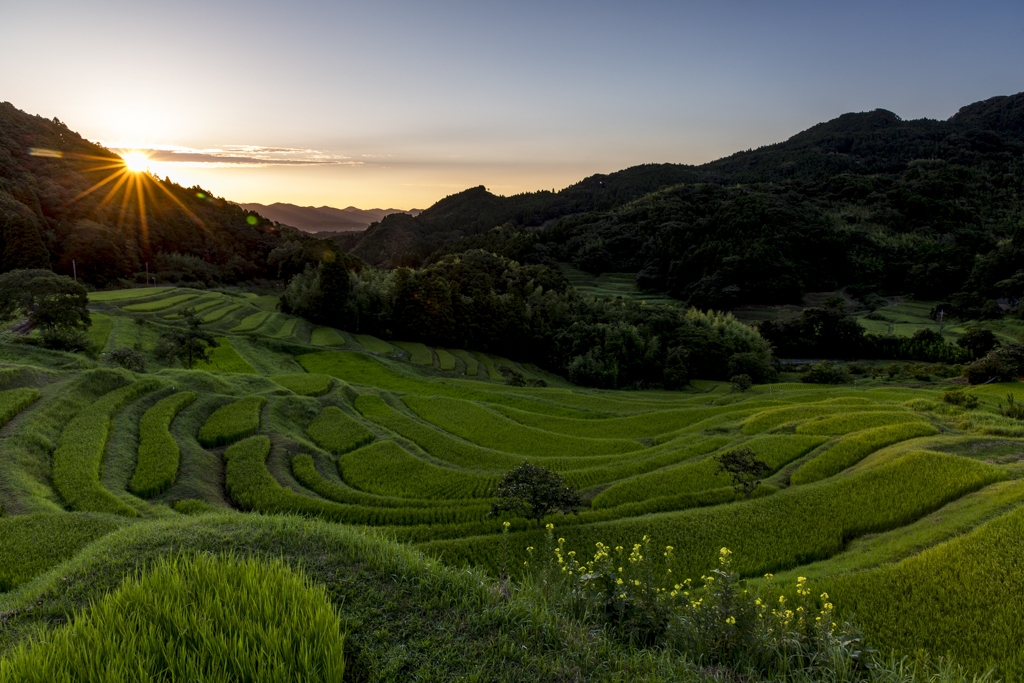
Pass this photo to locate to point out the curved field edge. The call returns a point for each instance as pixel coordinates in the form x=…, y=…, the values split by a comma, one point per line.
x=448, y=624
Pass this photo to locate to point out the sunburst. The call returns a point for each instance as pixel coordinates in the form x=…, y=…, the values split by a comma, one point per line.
x=130, y=177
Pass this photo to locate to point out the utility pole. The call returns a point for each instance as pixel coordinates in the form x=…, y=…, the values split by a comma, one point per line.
x=942, y=312
x=147, y=273
x=74, y=269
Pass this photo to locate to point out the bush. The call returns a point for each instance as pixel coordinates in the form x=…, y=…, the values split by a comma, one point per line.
x=198, y=617
x=127, y=358
x=232, y=422
x=741, y=383
x=825, y=373
x=513, y=377
x=961, y=398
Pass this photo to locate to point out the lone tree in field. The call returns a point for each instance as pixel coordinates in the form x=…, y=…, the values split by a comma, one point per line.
x=744, y=468
x=533, y=491
x=190, y=345
x=54, y=304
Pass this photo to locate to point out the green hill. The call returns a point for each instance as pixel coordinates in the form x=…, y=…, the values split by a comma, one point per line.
x=346, y=486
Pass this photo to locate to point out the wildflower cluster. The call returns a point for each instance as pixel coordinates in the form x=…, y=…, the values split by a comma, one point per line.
x=717, y=619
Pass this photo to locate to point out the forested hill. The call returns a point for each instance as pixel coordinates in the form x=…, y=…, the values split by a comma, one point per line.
x=866, y=200
x=48, y=217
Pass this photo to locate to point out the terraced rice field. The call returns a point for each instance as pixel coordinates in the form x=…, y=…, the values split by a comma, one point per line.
x=881, y=494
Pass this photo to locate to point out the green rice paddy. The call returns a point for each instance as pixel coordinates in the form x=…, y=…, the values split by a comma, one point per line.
x=907, y=511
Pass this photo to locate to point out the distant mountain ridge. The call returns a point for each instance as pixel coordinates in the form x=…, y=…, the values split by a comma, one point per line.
x=323, y=218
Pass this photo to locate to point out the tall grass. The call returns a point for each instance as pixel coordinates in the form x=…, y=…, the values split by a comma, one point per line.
x=232, y=422
x=855, y=422
x=191, y=618
x=851, y=450
x=389, y=470
x=125, y=294
x=359, y=368
x=418, y=353
x=157, y=464
x=160, y=304
x=13, y=401
x=792, y=527
x=225, y=358
x=374, y=345
x=251, y=323
x=336, y=432
x=326, y=336
x=487, y=428
x=472, y=364
x=219, y=313
x=31, y=544
x=446, y=359
x=79, y=453
x=773, y=450
x=963, y=598
x=305, y=384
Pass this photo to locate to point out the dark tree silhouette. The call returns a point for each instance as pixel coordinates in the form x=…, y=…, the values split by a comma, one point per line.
x=533, y=491
x=744, y=468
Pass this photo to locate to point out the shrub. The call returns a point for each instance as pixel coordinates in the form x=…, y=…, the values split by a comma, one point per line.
x=199, y=617
x=961, y=398
x=232, y=422
x=334, y=431
x=741, y=383
x=513, y=377
x=127, y=358
x=825, y=373
x=157, y=464
x=79, y=453
x=1012, y=410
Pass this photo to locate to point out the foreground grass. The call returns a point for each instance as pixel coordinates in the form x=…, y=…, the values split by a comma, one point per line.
x=191, y=618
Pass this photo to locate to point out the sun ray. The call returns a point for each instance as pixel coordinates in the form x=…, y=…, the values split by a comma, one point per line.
x=113, y=191
x=91, y=189
x=124, y=200
x=181, y=204
x=142, y=212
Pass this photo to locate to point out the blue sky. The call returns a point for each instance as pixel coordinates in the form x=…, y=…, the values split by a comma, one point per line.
x=401, y=103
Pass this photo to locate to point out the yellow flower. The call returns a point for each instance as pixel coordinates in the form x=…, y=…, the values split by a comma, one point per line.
x=731, y=620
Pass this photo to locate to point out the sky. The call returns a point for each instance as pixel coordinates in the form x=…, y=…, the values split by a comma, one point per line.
x=397, y=104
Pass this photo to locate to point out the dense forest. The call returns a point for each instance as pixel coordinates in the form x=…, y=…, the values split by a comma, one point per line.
x=481, y=301
x=49, y=218
x=866, y=201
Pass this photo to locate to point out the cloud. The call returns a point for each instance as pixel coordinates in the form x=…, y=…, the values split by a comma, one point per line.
x=232, y=155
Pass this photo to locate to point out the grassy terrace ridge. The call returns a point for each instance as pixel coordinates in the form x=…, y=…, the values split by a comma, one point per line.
x=363, y=476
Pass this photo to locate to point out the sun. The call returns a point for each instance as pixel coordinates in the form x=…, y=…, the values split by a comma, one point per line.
x=136, y=161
